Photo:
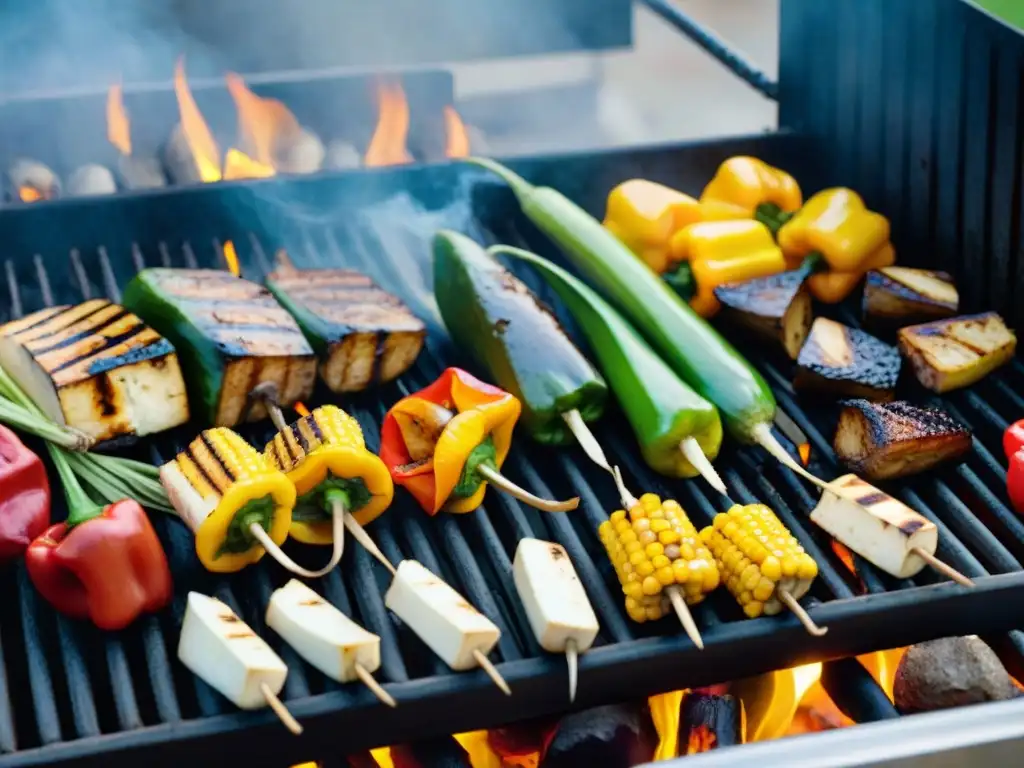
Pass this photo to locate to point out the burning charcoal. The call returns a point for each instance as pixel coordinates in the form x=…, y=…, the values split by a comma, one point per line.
x=618, y=736
x=521, y=740
x=341, y=155
x=141, y=172
x=299, y=153
x=90, y=180
x=707, y=722
x=951, y=672
x=30, y=180
x=444, y=752
x=179, y=160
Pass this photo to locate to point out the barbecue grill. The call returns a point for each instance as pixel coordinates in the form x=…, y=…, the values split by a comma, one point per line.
x=926, y=126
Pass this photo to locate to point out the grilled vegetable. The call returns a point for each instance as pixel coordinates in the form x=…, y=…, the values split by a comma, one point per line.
x=1015, y=481
x=876, y=526
x=898, y=296
x=653, y=549
x=97, y=368
x=231, y=335
x=224, y=490
x=362, y=334
x=955, y=353
x=753, y=189
x=776, y=308
x=24, y=496
x=847, y=362
x=494, y=316
x=886, y=440
x=758, y=559
x=1013, y=439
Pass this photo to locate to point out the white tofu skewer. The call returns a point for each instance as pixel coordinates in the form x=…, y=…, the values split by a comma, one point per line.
x=224, y=651
x=325, y=637
x=444, y=620
x=560, y=614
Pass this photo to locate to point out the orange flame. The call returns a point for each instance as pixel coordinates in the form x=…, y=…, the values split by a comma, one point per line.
x=261, y=122
x=197, y=133
x=29, y=194
x=456, y=137
x=231, y=259
x=702, y=739
x=387, y=146
x=238, y=165
x=118, y=125
x=301, y=409
x=805, y=453
x=845, y=555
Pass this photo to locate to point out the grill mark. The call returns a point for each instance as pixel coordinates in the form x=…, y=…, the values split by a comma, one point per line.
x=81, y=335
x=45, y=316
x=65, y=313
x=300, y=436
x=290, y=439
x=110, y=342
x=105, y=394
x=213, y=452
x=190, y=454
x=872, y=499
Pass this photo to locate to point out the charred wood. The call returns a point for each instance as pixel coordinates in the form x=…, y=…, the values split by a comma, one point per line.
x=178, y=158
x=618, y=736
x=708, y=721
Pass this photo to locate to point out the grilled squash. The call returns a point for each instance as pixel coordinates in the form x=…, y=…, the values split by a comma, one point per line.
x=955, y=353
x=231, y=336
x=847, y=362
x=362, y=334
x=777, y=308
x=96, y=367
x=886, y=440
x=899, y=296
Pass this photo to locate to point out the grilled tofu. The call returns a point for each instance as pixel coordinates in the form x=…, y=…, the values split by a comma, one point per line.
x=98, y=368
x=231, y=336
x=777, y=308
x=886, y=440
x=847, y=362
x=955, y=353
x=899, y=296
x=362, y=334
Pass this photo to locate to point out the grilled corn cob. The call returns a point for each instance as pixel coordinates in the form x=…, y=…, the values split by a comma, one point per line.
x=757, y=557
x=221, y=487
x=653, y=548
x=325, y=451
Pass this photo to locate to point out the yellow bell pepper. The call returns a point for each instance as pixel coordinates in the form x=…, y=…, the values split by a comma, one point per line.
x=645, y=215
x=836, y=224
x=324, y=453
x=751, y=188
x=833, y=287
x=711, y=253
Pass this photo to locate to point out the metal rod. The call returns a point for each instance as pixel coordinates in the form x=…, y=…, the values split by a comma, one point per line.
x=855, y=691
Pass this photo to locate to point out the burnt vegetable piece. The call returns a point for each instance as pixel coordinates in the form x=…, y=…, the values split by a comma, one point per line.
x=847, y=362
x=362, y=334
x=898, y=296
x=887, y=440
x=955, y=353
x=491, y=314
x=777, y=308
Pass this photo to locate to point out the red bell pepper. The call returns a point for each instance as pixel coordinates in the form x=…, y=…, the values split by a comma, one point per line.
x=104, y=563
x=24, y=496
x=1013, y=438
x=1015, y=481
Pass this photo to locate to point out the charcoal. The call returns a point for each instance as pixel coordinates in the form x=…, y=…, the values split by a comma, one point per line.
x=708, y=721
x=91, y=180
x=617, y=736
x=300, y=153
x=341, y=155
x=34, y=176
x=178, y=158
x=141, y=172
x=444, y=752
x=951, y=672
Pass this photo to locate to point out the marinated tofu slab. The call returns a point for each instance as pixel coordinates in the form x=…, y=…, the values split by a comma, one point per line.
x=98, y=368
x=362, y=334
x=231, y=335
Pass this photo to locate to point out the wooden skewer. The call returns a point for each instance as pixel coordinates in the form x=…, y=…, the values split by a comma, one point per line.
x=376, y=688
x=359, y=534
x=685, y=617
x=498, y=480
x=286, y=717
x=801, y=613
x=694, y=454
x=492, y=672
x=572, y=658
x=286, y=562
x=586, y=439
x=944, y=568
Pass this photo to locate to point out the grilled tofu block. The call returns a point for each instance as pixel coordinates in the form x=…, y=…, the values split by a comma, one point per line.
x=98, y=368
x=777, y=308
x=362, y=334
x=847, y=362
x=955, y=353
x=898, y=296
x=886, y=440
x=231, y=335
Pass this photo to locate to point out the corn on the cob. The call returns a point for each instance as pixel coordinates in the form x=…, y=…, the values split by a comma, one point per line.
x=653, y=548
x=758, y=557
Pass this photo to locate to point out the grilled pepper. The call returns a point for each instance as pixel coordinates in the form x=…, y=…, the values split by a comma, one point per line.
x=231, y=498
x=1013, y=439
x=24, y=496
x=493, y=315
x=1015, y=481
x=447, y=441
x=709, y=254
x=753, y=189
x=104, y=564
x=325, y=457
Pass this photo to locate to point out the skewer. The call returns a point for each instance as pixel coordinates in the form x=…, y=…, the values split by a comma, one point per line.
x=801, y=613
x=693, y=453
x=572, y=658
x=359, y=534
x=279, y=555
x=376, y=688
x=287, y=718
x=498, y=480
x=492, y=671
x=944, y=568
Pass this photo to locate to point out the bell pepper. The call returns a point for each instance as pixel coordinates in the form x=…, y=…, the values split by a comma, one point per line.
x=494, y=316
x=751, y=189
x=1015, y=481
x=711, y=253
x=447, y=441
x=24, y=496
x=104, y=563
x=1013, y=439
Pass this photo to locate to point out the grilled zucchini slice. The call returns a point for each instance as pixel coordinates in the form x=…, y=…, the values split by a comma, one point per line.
x=955, y=353
x=899, y=296
x=777, y=308
x=886, y=440
x=847, y=362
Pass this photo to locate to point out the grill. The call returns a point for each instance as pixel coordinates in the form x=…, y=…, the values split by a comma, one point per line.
x=72, y=695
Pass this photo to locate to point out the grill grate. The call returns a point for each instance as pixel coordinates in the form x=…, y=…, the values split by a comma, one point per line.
x=62, y=684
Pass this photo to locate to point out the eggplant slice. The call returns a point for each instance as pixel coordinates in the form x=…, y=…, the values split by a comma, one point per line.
x=777, y=308
x=882, y=441
x=847, y=362
x=899, y=296
x=955, y=353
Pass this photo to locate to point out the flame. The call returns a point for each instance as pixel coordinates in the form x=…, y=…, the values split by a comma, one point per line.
x=197, y=133
x=387, y=146
x=456, y=137
x=29, y=194
x=804, y=677
x=882, y=666
x=804, y=450
x=301, y=409
x=231, y=259
x=238, y=165
x=702, y=739
x=118, y=125
x=845, y=556
x=261, y=122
